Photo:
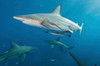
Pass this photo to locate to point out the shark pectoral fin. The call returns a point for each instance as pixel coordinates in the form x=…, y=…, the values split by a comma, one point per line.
x=45, y=24
x=52, y=46
x=50, y=25
x=22, y=58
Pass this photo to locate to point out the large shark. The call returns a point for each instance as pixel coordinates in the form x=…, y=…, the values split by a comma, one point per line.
x=57, y=42
x=50, y=21
x=16, y=50
x=78, y=61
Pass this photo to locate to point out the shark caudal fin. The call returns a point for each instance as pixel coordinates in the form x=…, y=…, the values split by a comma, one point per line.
x=81, y=28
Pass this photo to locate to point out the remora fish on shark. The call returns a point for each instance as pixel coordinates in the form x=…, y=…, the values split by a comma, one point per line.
x=57, y=42
x=61, y=34
x=16, y=50
x=50, y=21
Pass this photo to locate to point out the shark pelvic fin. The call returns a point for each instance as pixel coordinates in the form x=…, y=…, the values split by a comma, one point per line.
x=13, y=44
x=57, y=10
x=22, y=58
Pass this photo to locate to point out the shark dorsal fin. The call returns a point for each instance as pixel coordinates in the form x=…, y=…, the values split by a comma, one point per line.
x=57, y=10
x=13, y=44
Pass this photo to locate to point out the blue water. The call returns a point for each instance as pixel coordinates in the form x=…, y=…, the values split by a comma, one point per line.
x=87, y=46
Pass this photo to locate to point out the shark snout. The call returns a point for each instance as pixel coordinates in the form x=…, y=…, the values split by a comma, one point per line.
x=21, y=18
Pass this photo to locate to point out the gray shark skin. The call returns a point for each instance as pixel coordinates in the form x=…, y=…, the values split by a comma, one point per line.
x=78, y=61
x=50, y=21
x=58, y=43
x=16, y=50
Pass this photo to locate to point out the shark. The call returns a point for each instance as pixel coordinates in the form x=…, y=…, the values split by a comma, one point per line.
x=16, y=50
x=50, y=22
x=57, y=42
x=78, y=61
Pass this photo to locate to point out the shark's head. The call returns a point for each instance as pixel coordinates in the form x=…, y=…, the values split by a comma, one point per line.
x=21, y=18
x=32, y=19
x=28, y=49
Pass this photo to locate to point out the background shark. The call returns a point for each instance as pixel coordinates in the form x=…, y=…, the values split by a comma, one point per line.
x=16, y=50
x=50, y=21
x=78, y=61
x=57, y=42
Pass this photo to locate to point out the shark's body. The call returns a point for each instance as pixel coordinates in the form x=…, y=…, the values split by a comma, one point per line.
x=50, y=21
x=16, y=50
x=58, y=43
x=78, y=61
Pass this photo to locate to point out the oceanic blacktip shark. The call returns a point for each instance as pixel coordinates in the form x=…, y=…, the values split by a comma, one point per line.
x=78, y=61
x=57, y=42
x=16, y=50
x=50, y=21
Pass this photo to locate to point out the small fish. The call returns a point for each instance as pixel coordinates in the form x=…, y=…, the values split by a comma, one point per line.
x=57, y=33
x=52, y=60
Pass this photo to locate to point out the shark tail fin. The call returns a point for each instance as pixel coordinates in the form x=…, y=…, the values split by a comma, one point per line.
x=71, y=47
x=81, y=28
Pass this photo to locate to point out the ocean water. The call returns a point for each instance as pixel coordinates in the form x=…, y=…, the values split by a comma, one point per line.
x=87, y=46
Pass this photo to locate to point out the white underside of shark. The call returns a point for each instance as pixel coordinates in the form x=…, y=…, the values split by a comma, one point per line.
x=50, y=21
